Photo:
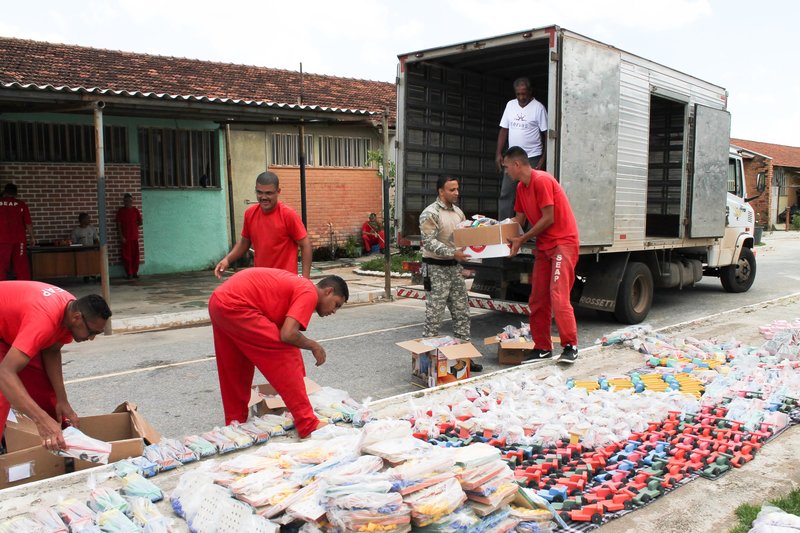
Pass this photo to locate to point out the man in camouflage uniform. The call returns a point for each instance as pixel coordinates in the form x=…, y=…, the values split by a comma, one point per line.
x=441, y=271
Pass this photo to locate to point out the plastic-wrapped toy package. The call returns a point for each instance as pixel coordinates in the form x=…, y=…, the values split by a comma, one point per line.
x=135, y=485
x=252, y=483
x=397, y=450
x=241, y=438
x=473, y=478
x=248, y=463
x=162, y=456
x=49, y=520
x=277, y=425
x=432, y=503
x=147, y=516
x=212, y=509
x=223, y=443
x=189, y=485
x=75, y=514
x=258, y=433
x=20, y=524
x=418, y=473
x=362, y=510
x=103, y=499
x=383, y=430
x=123, y=467
x=500, y=521
x=496, y=490
x=179, y=450
x=115, y=521
x=199, y=446
x=261, y=495
x=84, y=447
x=147, y=468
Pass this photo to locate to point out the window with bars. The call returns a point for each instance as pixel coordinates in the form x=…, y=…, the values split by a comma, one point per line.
x=172, y=158
x=285, y=149
x=60, y=143
x=344, y=151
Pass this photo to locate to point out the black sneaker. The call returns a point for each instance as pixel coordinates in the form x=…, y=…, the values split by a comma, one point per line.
x=475, y=367
x=569, y=355
x=537, y=354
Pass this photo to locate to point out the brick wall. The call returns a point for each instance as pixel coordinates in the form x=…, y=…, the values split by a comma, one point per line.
x=57, y=192
x=760, y=205
x=339, y=200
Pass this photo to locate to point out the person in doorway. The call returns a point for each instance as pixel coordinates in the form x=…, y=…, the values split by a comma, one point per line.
x=523, y=124
x=85, y=234
x=372, y=234
x=274, y=230
x=541, y=201
x=257, y=316
x=441, y=264
x=37, y=320
x=16, y=234
x=129, y=219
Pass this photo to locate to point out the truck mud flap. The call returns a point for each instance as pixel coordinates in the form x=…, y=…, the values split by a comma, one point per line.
x=602, y=274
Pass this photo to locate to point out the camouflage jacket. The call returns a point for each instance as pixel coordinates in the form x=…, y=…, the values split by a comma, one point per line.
x=436, y=224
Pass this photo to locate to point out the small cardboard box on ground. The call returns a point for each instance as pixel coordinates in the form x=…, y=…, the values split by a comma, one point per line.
x=435, y=366
x=484, y=242
x=514, y=351
x=125, y=429
x=265, y=399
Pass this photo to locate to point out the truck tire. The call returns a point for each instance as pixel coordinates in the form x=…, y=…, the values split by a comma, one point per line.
x=739, y=277
x=635, y=294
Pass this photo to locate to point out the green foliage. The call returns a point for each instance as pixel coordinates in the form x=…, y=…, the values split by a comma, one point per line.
x=746, y=513
x=377, y=264
x=795, y=222
x=352, y=247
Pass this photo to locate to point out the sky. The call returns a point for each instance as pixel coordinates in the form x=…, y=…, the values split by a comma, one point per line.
x=744, y=46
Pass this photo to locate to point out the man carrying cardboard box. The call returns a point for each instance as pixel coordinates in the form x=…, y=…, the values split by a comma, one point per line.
x=37, y=320
x=442, y=271
x=542, y=202
x=257, y=316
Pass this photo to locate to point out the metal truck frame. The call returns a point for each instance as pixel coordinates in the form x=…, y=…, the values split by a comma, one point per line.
x=641, y=150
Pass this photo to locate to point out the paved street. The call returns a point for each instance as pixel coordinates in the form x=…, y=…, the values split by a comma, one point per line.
x=171, y=373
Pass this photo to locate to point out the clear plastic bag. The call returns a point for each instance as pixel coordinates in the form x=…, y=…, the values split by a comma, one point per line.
x=162, y=456
x=83, y=447
x=200, y=446
x=146, y=515
x=75, y=514
x=432, y=503
x=104, y=499
x=50, y=521
x=135, y=485
x=115, y=521
x=179, y=450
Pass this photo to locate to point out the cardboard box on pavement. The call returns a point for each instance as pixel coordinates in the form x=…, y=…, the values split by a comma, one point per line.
x=26, y=460
x=486, y=241
x=513, y=352
x=435, y=366
x=265, y=399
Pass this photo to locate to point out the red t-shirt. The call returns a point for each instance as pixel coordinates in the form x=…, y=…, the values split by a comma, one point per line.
x=274, y=236
x=275, y=293
x=544, y=190
x=129, y=219
x=14, y=216
x=31, y=318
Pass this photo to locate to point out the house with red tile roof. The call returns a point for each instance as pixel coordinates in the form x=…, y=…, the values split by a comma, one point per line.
x=187, y=139
x=780, y=166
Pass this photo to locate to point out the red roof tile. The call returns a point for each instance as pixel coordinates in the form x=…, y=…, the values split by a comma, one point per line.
x=782, y=156
x=41, y=63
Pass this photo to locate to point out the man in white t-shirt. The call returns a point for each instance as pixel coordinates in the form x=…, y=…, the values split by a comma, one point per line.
x=85, y=233
x=524, y=124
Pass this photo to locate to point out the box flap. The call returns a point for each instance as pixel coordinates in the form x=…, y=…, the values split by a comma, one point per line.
x=274, y=401
x=490, y=340
x=415, y=346
x=518, y=345
x=460, y=351
x=141, y=425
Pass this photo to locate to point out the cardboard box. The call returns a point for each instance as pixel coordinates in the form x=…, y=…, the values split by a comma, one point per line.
x=125, y=429
x=486, y=241
x=265, y=399
x=513, y=352
x=26, y=460
x=436, y=366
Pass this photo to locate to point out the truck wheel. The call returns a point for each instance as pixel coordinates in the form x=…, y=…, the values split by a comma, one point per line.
x=739, y=277
x=635, y=295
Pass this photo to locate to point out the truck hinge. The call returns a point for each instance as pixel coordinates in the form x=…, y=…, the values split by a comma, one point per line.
x=555, y=57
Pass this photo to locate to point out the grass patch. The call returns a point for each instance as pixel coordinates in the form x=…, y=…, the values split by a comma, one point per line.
x=746, y=512
x=377, y=264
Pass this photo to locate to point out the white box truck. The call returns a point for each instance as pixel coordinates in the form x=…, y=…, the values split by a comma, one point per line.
x=641, y=150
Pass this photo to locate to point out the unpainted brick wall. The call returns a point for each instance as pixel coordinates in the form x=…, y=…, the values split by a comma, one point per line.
x=57, y=192
x=339, y=200
x=760, y=205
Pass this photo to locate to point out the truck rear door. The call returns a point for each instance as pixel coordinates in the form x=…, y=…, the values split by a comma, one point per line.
x=709, y=172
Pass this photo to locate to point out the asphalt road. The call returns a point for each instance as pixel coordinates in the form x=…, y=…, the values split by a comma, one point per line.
x=171, y=374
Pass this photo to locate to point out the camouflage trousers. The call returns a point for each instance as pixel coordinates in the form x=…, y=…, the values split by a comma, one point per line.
x=447, y=289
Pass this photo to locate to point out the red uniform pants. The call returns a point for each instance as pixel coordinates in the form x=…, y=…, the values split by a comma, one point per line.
x=37, y=384
x=130, y=256
x=553, y=277
x=14, y=258
x=244, y=339
x=372, y=240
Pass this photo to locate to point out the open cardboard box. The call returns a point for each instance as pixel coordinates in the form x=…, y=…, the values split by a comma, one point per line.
x=435, y=366
x=513, y=352
x=483, y=242
x=26, y=460
x=265, y=399
x=125, y=429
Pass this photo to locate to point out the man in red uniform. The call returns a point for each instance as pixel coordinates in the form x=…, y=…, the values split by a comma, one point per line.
x=15, y=225
x=37, y=320
x=372, y=234
x=273, y=229
x=542, y=202
x=257, y=316
x=128, y=221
